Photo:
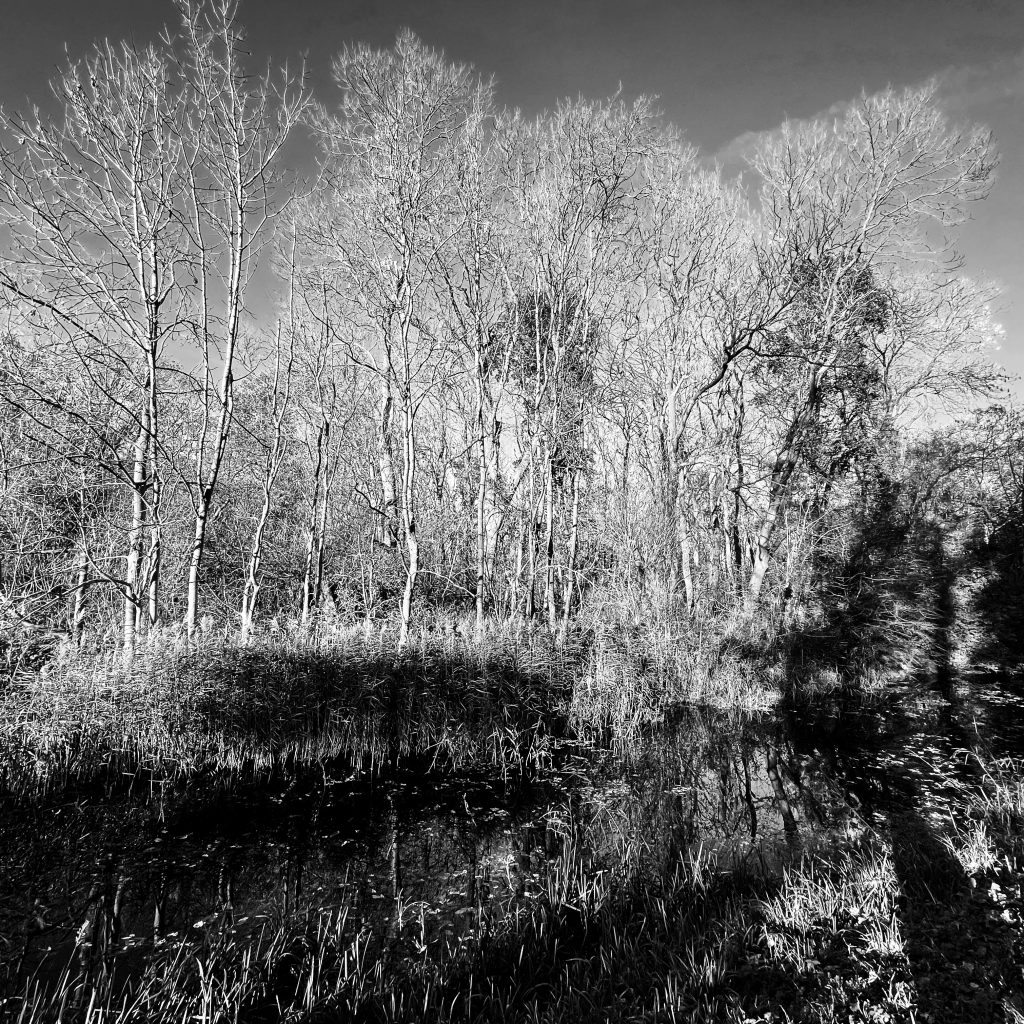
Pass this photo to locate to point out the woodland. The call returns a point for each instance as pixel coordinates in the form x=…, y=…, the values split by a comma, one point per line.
x=356, y=437
x=504, y=367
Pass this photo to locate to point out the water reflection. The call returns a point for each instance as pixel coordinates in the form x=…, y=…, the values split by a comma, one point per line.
x=101, y=871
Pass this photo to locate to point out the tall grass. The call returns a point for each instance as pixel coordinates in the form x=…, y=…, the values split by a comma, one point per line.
x=333, y=689
x=449, y=697
x=700, y=943
x=636, y=675
x=306, y=696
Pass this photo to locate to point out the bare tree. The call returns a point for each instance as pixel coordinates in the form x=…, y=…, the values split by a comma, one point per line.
x=392, y=160
x=572, y=178
x=237, y=128
x=273, y=449
x=92, y=201
x=473, y=279
x=694, y=323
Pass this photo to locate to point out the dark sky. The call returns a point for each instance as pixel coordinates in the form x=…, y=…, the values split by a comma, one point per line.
x=722, y=68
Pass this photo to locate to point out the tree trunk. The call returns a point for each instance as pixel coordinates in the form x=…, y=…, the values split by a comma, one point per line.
x=782, y=474
x=481, y=500
x=386, y=461
x=133, y=557
x=409, y=516
x=549, y=546
x=78, y=603
x=530, y=608
x=321, y=534
x=155, y=554
x=765, y=536
x=685, y=557
x=308, y=577
x=513, y=597
x=195, y=560
x=570, y=584
x=153, y=559
x=251, y=589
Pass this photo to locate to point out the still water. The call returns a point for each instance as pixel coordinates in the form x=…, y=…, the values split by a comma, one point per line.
x=103, y=870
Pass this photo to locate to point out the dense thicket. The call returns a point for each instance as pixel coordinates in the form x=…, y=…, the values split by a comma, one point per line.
x=519, y=366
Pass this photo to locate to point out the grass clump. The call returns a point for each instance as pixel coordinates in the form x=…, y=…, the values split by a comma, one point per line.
x=309, y=696
x=698, y=944
x=635, y=675
x=450, y=696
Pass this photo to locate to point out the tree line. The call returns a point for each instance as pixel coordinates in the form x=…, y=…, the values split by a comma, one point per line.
x=525, y=366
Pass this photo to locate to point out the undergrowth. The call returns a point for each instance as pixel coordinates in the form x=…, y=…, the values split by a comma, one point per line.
x=699, y=943
x=450, y=695
x=215, y=702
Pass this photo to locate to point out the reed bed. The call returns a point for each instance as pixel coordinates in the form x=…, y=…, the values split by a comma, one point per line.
x=637, y=675
x=699, y=944
x=450, y=697
x=919, y=913
x=308, y=696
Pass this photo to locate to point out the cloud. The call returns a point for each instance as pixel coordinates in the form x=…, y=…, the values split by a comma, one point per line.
x=966, y=91
x=733, y=155
x=970, y=88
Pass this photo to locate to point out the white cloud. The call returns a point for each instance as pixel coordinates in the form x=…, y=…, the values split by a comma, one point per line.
x=964, y=91
x=733, y=155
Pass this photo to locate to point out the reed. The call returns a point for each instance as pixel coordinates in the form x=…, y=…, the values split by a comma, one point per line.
x=700, y=943
x=215, y=703
x=616, y=924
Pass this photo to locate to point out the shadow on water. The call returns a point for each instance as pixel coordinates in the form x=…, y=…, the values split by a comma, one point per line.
x=434, y=805
x=961, y=950
x=104, y=868
x=905, y=765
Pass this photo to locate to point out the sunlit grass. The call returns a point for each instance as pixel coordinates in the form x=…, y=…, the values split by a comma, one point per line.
x=452, y=695
x=616, y=924
x=444, y=699
x=697, y=944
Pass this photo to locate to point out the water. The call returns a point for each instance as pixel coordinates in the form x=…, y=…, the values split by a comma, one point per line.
x=102, y=870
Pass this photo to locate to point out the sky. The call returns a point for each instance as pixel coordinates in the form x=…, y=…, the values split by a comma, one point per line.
x=723, y=70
